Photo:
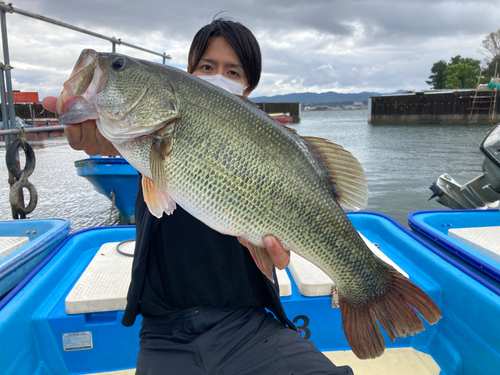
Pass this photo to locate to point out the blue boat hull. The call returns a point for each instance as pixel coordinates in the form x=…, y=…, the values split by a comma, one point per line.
x=434, y=225
x=115, y=174
x=43, y=237
x=462, y=342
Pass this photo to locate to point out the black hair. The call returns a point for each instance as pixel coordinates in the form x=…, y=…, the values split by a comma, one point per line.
x=239, y=37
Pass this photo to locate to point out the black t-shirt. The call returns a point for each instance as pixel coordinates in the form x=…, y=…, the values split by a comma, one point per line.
x=152, y=291
x=190, y=264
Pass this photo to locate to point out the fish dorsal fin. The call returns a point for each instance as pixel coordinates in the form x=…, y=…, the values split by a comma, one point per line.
x=157, y=201
x=246, y=100
x=290, y=129
x=346, y=173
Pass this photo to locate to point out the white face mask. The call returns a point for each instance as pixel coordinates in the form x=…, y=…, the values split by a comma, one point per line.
x=225, y=83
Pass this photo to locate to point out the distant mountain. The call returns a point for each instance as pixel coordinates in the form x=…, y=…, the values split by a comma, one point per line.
x=313, y=98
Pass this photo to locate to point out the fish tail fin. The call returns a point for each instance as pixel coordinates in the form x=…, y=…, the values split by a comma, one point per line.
x=394, y=312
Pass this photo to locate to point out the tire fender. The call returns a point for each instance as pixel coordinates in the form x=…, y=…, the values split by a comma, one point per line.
x=14, y=195
x=10, y=158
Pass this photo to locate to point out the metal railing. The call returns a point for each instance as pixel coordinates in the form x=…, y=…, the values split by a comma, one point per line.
x=38, y=129
x=7, y=103
x=10, y=9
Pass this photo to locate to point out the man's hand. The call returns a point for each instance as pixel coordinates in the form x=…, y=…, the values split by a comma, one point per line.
x=279, y=256
x=84, y=136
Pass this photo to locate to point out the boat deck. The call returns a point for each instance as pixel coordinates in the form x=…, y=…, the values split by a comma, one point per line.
x=468, y=239
x=45, y=340
x=23, y=245
x=104, y=283
x=395, y=361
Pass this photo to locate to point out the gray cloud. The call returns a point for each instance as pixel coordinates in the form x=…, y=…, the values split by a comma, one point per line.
x=313, y=45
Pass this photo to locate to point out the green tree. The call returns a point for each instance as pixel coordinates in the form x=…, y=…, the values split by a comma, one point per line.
x=462, y=73
x=456, y=60
x=463, y=60
x=437, y=79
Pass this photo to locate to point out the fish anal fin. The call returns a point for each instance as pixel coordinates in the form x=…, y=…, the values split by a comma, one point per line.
x=161, y=147
x=261, y=258
x=157, y=201
x=394, y=312
x=346, y=173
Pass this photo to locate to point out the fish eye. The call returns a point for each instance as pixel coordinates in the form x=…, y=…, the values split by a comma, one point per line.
x=118, y=63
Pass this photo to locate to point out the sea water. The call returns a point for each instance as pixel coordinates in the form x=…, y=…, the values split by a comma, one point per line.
x=61, y=192
x=400, y=162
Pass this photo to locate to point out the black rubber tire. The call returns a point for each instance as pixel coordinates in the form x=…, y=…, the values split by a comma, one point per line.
x=10, y=159
x=14, y=197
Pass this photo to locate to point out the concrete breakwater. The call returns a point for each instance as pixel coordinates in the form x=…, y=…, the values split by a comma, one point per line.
x=436, y=107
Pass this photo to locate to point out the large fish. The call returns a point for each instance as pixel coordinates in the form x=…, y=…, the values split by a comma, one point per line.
x=243, y=174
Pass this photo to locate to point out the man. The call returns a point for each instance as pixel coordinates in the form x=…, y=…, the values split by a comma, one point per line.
x=202, y=298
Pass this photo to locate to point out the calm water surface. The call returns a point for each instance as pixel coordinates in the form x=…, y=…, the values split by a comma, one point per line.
x=400, y=161
x=61, y=192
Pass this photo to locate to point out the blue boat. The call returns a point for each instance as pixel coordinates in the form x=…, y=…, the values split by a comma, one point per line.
x=23, y=244
x=468, y=239
x=40, y=336
x=115, y=178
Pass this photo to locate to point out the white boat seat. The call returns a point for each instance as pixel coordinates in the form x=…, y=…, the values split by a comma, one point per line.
x=312, y=282
x=284, y=283
x=485, y=240
x=103, y=286
x=10, y=244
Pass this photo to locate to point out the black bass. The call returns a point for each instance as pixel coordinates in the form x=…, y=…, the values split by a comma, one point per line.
x=243, y=174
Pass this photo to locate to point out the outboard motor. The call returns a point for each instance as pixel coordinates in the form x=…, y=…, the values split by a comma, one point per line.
x=482, y=192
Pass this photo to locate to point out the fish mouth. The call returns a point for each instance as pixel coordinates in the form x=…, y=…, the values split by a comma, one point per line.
x=93, y=92
x=74, y=104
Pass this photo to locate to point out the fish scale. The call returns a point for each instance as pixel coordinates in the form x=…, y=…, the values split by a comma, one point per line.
x=243, y=174
x=257, y=205
x=316, y=202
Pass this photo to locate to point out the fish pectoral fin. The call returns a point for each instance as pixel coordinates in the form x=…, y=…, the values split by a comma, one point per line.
x=160, y=149
x=393, y=310
x=261, y=258
x=345, y=171
x=157, y=201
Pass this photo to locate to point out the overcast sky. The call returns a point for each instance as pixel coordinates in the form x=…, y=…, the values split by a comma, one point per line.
x=307, y=46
